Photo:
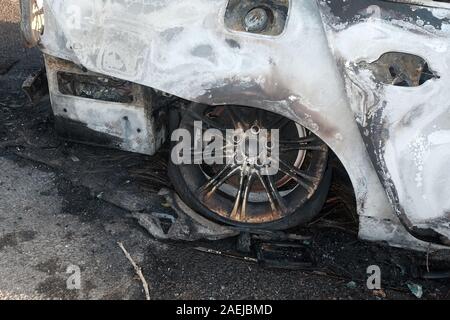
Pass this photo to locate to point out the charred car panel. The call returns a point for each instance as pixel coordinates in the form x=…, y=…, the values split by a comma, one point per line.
x=404, y=121
x=320, y=71
x=103, y=111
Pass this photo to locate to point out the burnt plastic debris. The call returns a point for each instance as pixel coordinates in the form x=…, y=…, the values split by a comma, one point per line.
x=182, y=223
x=272, y=255
x=95, y=87
x=36, y=86
x=271, y=249
x=285, y=256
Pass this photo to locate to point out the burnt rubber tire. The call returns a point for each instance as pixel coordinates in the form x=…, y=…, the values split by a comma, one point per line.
x=302, y=210
x=302, y=216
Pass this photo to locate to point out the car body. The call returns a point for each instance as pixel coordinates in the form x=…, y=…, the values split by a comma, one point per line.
x=369, y=77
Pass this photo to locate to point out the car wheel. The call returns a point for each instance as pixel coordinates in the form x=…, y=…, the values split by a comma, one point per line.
x=240, y=194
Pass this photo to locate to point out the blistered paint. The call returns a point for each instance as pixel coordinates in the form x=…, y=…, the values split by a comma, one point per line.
x=402, y=124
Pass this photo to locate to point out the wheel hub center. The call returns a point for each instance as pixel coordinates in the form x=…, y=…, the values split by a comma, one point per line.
x=251, y=150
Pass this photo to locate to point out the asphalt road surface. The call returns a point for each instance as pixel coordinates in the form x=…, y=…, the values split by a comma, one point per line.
x=53, y=218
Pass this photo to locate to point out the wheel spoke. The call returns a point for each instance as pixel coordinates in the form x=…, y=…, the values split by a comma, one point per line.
x=210, y=122
x=240, y=206
x=303, y=179
x=226, y=156
x=276, y=200
x=223, y=131
x=302, y=140
x=310, y=143
x=235, y=117
x=246, y=195
x=218, y=180
x=276, y=194
x=279, y=123
x=304, y=148
x=237, y=204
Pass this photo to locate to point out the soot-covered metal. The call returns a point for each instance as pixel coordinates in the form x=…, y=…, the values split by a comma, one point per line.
x=368, y=77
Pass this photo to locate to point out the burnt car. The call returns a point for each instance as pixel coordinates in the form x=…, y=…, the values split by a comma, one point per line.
x=366, y=80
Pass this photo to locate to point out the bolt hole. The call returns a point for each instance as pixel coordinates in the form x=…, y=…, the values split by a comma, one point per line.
x=255, y=130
